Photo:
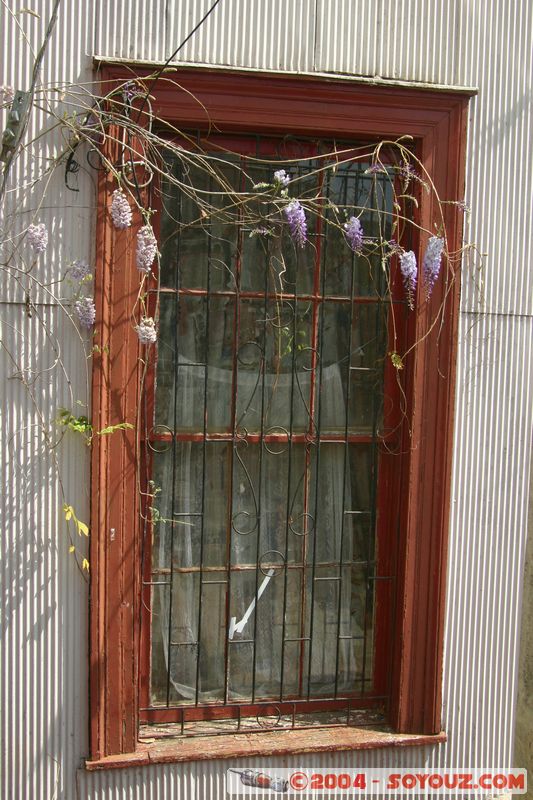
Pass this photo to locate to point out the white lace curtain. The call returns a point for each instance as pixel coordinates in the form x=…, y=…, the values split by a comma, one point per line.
x=254, y=512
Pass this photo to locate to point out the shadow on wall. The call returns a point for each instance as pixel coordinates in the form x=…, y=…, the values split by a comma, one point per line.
x=43, y=674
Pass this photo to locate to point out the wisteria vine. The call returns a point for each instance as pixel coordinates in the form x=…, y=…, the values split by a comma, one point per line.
x=276, y=211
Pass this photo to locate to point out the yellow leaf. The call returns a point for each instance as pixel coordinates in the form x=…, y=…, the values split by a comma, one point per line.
x=85, y=564
x=71, y=548
x=68, y=512
x=82, y=528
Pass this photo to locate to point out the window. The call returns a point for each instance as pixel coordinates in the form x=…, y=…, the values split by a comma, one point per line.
x=275, y=426
x=307, y=526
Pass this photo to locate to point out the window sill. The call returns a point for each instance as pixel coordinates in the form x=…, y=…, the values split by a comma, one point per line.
x=272, y=743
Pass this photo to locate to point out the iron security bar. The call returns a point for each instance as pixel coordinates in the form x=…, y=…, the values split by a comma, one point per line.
x=269, y=442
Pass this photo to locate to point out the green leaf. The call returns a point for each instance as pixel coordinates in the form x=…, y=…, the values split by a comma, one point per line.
x=120, y=426
x=396, y=359
x=79, y=424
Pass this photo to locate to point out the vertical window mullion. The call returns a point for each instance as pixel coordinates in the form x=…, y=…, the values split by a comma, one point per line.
x=260, y=476
x=318, y=338
x=204, y=455
x=370, y=557
x=289, y=504
x=176, y=370
x=345, y=454
x=234, y=444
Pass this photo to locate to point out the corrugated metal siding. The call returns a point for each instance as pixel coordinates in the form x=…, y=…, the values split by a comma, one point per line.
x=43, y=667
x=263, y=34
x=43, y=674
x=271, y=33
x=43, y=634
x=488, y=532
x=206, y=780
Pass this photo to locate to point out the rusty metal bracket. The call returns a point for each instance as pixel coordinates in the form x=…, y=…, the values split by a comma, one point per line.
x=16, y=120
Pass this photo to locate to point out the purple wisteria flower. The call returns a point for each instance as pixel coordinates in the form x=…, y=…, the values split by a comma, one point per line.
x=146, y=248
x=375, y=169
x=85, y=311
x=297, y=222
x=409, y=271
x=146, y=331
x=130, y=90
x=281, y=178
x=432, y=261
x=121, y=213
x=80, y=270
x=407, y=170
x=354, y=234
x=394, y=247
x=38, y=237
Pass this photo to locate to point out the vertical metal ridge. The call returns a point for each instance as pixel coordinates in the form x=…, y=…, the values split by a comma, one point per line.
x=500, y=129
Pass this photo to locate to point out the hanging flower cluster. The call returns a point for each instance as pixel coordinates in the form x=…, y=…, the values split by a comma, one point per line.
x=409, y=271
x=146, y=248
x=354, y=234
x=146, y=331
x=38, y=237
x=121, y=213
x=80, y=271
x=281, y=178
x=85, y=311
x=297, y=222
x=432, y=261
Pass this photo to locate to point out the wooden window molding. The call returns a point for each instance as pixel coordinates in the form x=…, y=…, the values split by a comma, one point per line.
x=255, y=103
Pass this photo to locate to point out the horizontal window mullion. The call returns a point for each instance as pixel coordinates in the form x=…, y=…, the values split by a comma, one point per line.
x=257, y=438
x=273, y=565
x=349, y=703
x=302, y=297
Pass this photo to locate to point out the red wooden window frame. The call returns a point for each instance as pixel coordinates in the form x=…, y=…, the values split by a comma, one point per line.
x=253, y=103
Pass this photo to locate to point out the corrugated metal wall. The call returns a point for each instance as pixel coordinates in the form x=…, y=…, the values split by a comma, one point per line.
x=43, y=633
x=458, y=42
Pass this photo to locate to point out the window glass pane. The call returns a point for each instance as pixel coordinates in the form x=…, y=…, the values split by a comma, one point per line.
x=195, y=362
x=270, y=260
x=198, y=227
x=274, y=366
x=354, y=193
x=274, y=547
x=270, y=381
x=350, y=383
x=191, y=482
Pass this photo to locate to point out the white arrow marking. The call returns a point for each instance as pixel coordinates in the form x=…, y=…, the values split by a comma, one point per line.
x=238, y=627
